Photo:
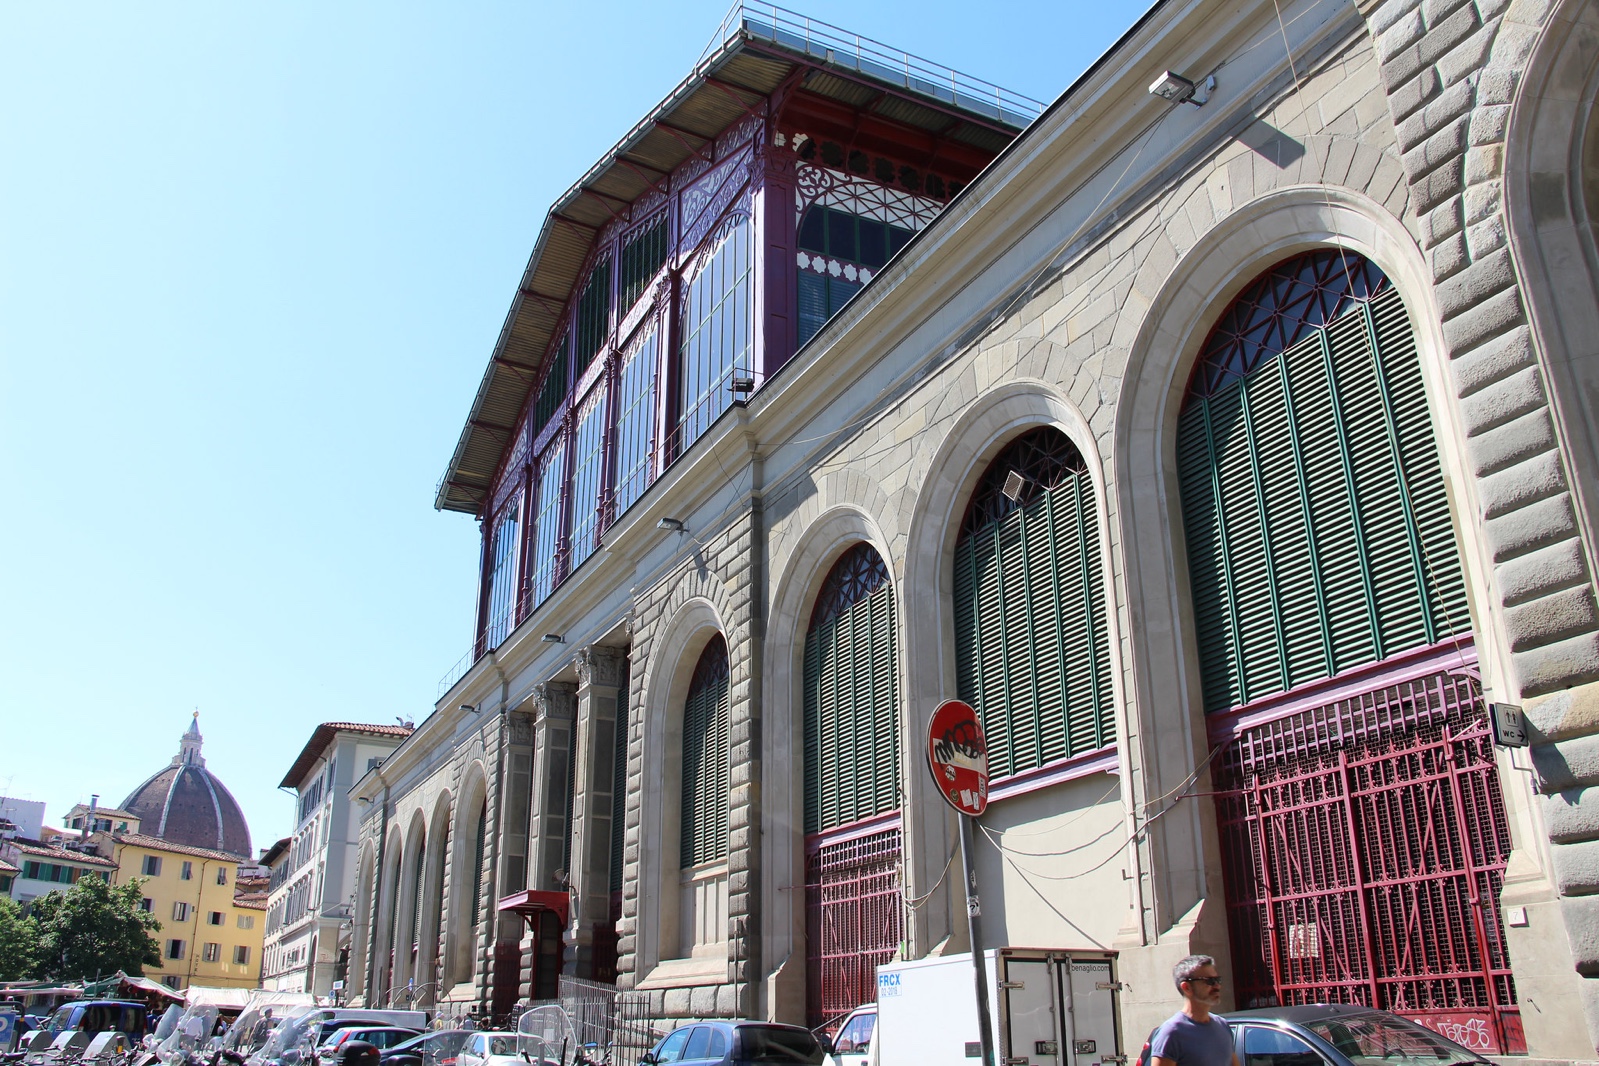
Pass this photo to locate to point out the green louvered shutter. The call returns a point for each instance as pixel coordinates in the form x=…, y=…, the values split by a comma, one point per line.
x=1032, y=648
x=706, y=772
x=416, y=898
x=477, y=863
x=851, y=706
x=1313, y=503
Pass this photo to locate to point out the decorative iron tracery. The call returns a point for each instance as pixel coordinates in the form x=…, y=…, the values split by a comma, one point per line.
x=860, y=196
x=1285, y=305
x=858, y=573
x=1045, y=458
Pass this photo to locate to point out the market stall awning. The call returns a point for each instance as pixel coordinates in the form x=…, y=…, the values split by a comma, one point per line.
x=528, y=904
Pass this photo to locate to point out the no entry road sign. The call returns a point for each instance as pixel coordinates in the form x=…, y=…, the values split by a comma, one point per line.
x=958, y=756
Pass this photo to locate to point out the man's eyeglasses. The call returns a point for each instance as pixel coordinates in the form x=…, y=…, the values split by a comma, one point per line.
x=1214, y=982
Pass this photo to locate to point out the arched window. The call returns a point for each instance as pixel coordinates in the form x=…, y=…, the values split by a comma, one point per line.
x=852, y=769
x=1032, y=650
x=1313, y=503
x=416, y=900
x=705, y=785
x=477, y=872
x=851, y=695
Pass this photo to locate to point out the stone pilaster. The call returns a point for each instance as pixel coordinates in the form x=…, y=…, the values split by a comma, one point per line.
x=599, y=672
x=554, y=728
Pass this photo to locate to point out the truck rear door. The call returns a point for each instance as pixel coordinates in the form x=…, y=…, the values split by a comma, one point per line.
x=1030, y=1033
x=1091, y=991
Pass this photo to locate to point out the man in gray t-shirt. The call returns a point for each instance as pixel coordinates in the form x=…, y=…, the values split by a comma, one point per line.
x=1194, y=1036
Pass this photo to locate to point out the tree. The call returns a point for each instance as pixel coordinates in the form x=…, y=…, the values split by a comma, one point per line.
x=19, y=937
x=93, y=929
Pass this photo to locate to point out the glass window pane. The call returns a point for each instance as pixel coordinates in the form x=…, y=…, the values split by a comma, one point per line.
x=586, y=481
x=813, y=230
x=635, y=423
x=716, y=333
x=503, y=577
x=841, y=236
x=874, y=243
x=1273, y=1047
x=547, y=521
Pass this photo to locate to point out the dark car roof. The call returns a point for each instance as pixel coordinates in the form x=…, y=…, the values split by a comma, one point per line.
x=436, y=1034
x=745, y=1023
x=1299, y=1012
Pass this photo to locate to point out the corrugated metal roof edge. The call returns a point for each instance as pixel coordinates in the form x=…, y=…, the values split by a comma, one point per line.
x=729, y=47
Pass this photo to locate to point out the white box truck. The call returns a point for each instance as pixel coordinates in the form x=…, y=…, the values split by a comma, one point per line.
x=1049, y=1008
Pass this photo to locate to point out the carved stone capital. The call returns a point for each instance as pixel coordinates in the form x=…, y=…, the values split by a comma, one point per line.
x=555, y=699
x=519, y=728
x=597, y=665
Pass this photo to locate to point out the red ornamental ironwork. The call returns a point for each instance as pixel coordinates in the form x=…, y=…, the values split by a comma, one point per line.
x=957, y=754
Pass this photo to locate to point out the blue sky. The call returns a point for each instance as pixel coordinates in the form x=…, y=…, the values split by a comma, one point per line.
x=253, y=259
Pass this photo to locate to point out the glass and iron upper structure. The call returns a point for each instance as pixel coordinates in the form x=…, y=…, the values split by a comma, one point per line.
x=689, y=264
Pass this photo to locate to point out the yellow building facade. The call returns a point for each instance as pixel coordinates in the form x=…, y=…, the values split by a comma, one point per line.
x=209, y=935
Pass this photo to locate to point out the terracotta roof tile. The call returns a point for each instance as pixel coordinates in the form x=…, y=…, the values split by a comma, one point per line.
x=139, y=840
x=323, y=735
x=46, y=851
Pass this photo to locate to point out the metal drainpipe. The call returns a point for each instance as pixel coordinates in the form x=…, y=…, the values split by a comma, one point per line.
x=199, y=892
x=377, y=883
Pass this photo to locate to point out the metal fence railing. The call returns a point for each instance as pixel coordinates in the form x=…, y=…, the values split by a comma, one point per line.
x=611, y=1025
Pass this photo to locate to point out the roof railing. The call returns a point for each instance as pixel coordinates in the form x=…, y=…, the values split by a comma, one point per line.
x=839, y=47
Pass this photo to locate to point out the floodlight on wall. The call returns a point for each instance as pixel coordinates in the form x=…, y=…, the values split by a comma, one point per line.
x=553, y=638
x=673, y=525
x=1177, y=89
x=1014, y=484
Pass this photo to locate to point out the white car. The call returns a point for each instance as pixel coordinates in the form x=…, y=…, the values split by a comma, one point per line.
x=489, y=1049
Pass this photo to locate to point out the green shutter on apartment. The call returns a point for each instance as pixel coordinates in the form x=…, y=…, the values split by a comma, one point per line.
x=851, y=712
x=706, y=770
x=1313, y=503
x=1032, y=647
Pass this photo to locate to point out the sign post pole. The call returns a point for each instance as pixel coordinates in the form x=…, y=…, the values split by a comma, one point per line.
x=957, y=755
x=985, y=1025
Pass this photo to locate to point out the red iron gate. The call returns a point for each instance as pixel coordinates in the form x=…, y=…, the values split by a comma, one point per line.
x=1364, y=844
x=852, y=921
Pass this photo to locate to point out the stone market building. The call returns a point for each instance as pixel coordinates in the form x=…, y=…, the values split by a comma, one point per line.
x=1231, y=459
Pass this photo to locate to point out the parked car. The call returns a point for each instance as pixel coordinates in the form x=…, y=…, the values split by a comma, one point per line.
x=489, y=1049
x=1336, y=1034
x=100, y=1016
x=379, y=1036
x=737, y=1044
x=429, y=1049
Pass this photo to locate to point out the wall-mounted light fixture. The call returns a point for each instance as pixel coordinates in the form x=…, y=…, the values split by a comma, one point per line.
x=553, y=638
x=673, y=525
x=1177, y=89
x=1015, y=484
